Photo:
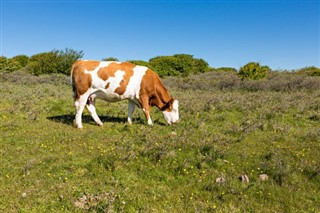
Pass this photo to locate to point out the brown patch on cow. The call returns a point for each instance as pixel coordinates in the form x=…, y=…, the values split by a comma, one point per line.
x=152, y=87
x=110, y=70
x=104, y=73
x=107, y=86
x=88, y=65
x=123, y=84
x=81, y=80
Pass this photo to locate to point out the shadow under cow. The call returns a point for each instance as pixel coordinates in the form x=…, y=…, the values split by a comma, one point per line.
x=69, y=118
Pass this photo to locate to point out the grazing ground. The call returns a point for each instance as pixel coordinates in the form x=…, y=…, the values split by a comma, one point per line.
x=228, y=129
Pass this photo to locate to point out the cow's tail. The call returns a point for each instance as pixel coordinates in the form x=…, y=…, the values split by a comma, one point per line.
x=72, y=82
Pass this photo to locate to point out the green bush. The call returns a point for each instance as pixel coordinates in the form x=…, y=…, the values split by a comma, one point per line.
x=21, y=59
x=68, y=57
x=200, y=66
x=110, y=59
x=9, y=65
x=139, y=62
x=178, y=65
x=55, y=61
x=310, y=71
x=165, y=65
x=253, y=71
x=43, y=63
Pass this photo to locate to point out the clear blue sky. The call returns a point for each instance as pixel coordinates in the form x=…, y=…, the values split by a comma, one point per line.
x=283, y=34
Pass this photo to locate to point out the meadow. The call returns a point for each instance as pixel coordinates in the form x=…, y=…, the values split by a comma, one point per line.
x=229, y=129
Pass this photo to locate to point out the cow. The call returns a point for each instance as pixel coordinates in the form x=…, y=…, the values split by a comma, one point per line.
x=115, y=81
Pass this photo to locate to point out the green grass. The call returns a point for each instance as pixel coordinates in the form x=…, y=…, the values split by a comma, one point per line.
x=47, y=165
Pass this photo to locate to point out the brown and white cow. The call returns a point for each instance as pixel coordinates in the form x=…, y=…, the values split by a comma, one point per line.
x=115, y=81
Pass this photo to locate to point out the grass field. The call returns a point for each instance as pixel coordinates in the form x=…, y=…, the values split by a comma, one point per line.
x=228, y=128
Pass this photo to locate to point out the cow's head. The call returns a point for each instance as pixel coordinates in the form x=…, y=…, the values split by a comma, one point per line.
x=171, y=113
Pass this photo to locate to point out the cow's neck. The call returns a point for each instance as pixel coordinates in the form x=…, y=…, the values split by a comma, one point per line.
x=161, y=99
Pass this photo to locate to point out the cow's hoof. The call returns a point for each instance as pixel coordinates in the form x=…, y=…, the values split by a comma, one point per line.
x=77, y=126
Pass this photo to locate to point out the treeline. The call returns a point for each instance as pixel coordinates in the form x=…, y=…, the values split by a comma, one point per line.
x=53, y=62
x=60, y=62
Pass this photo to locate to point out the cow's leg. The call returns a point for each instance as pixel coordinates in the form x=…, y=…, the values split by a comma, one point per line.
x=146, y=109
x=92, y=109
x=131, y=107
x=80, y=104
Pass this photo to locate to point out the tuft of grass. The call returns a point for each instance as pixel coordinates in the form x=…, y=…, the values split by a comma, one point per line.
x=228, y=129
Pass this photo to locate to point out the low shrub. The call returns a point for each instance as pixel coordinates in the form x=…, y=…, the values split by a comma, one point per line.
x=24, y=78
x=53, y=62
x=178, y=65
x=9, y=65
x=166, y=66
x=253, y=71
x=310, y=71
x=277, y=81
x=110, y=59
x=139, y=62
x=21, y=59
x=225, y=69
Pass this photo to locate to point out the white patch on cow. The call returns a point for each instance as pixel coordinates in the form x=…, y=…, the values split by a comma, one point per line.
x=80, y=104
x=173, y=115
x=92, y=110
x=114, y=82
x=150, y=122
x=175, y=105
x=133, y=87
